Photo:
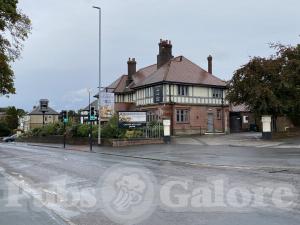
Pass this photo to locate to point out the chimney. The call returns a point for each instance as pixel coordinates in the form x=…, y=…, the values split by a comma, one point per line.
x=209, y=59
x=131, y=70
x=165, y=52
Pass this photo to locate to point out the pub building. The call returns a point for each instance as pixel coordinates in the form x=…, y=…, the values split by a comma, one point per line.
x=177, y=89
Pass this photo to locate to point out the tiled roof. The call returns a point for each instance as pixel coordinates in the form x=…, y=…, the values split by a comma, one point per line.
x=36, y=111
x=239, y=108
x=119, y=85
x=182, y=70
x=177, y=70
x=93, y=104
x=113, y=86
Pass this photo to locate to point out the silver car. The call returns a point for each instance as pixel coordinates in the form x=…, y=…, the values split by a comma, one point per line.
x=10, y=138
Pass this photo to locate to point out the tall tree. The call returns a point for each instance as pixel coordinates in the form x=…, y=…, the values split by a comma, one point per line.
x=269, y=85
x=14, y=29
x=290, y=91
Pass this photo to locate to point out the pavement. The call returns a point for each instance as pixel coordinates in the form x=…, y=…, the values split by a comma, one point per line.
x=37, y=168
x=251, y=139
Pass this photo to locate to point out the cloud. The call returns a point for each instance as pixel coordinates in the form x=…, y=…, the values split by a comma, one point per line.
x=60, y=57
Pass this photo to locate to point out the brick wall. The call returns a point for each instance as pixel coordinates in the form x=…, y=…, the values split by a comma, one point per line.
x=198, y=118
x=198, y=121
x=122, y=143
x=125, y=107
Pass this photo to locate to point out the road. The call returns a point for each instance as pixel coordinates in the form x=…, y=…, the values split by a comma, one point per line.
x=182, y=184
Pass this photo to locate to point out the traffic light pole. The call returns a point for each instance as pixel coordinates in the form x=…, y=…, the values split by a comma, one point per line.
x=65, y=121
x=91, y=135
x=64, y=135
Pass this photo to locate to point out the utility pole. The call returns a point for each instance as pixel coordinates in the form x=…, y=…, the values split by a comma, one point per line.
x=99, y=97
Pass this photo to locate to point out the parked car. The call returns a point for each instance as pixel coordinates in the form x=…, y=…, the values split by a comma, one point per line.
x=10, y=138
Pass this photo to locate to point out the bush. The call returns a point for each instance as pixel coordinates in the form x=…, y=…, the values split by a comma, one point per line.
x=109, y=130
x=112, y=130
x=83, y=130
x=4, y=130
x=133, y=134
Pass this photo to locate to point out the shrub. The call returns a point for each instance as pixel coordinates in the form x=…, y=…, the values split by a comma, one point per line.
x=134, y=134
x=83, y=130
x=4, y=130
x=112, y=130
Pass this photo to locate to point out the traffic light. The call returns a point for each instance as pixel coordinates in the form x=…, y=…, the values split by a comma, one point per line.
x=92, y=114
x=64, y=116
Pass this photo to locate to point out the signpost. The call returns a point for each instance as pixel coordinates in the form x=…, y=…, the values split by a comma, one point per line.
x=132, y=119
x=158, y=94
x=64, y=120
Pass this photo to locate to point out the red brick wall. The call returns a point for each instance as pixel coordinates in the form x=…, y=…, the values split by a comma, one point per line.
x=198, y=118
x=125, y=107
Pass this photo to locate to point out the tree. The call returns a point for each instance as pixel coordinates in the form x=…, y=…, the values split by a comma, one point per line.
x=12, y=119
x=14, y=29
x=4, y=130
x=290, y=92
x=269, y=85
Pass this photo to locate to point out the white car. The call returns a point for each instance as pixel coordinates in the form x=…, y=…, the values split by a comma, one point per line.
x=10, y=138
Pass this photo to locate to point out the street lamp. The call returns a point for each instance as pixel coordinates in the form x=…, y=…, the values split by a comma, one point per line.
x=99, y=93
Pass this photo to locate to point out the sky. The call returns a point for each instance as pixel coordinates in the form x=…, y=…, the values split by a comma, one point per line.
x=60, y=58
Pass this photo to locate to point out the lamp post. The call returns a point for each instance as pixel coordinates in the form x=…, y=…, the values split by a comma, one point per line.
x=99, y=93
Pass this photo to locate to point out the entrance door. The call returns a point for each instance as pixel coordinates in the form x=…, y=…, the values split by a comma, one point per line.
x=235, y=122
x=210, y=123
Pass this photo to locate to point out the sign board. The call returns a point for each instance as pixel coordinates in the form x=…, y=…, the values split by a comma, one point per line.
x=158, y=94
x=167, y=129
x=167, y=122
x=107, y=105
x=266, y=123
x=132, y=119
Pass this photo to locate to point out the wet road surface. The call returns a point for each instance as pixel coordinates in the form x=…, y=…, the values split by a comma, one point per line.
x=37, y=170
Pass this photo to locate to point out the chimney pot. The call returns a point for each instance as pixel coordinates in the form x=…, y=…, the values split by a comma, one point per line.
x=209, y=59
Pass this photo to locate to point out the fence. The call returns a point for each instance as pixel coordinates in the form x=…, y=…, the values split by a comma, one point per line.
x=153, y=130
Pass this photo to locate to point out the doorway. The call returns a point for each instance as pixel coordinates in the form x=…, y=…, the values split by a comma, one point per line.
x=210, y=123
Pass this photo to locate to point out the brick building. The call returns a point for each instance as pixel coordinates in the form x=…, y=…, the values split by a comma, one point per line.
x=174, y=88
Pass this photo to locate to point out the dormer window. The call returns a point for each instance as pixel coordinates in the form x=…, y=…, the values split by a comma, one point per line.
x=182, y=90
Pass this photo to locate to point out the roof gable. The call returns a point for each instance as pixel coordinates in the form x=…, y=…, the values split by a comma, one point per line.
x=119, y=85
x=37, y=111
